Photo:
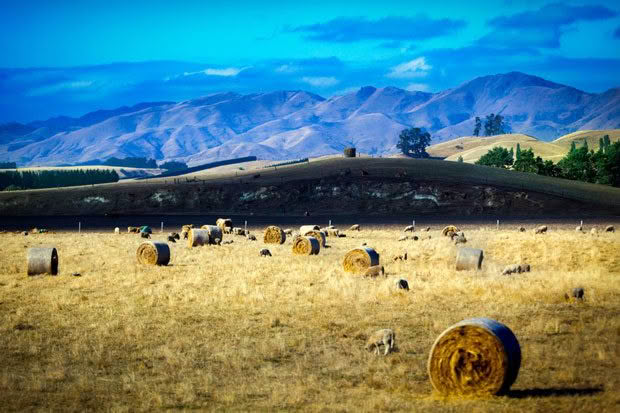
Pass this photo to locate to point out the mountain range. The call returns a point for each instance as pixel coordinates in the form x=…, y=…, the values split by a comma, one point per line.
x=295, y=124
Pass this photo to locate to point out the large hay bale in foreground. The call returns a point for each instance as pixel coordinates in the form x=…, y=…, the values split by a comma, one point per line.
x=215, y=233
x=479, y=356
x=225, y=224
x=305, y=228
x=42, y=260
x=274, y=235
x=153, y=253
x=197, y=237
x=358, y=260
x=319, y=235
x=306, y=246
x=469, y=259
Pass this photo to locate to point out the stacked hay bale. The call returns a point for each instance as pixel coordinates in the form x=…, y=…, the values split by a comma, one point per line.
x=358, y=260
x=274, y=235
x=225, y=224
x=42, y=260
x=306, y=246
x=478, y=356
x=215, y=234
x=197, y=237
x=153, y=253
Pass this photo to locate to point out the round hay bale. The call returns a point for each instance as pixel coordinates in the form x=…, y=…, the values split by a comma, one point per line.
x=319, y=235
x=469, y=259
x=479, y=356
x=610, y=228
x=306, y=228
x=449, y=230
x=274, y=235
x=117, y=230
x=306, y=246
x=358, y=260
x=153, y=253
x=197, y=237
x=224, y=224
x=349, y=152
x=42, y=260
x=215, y=233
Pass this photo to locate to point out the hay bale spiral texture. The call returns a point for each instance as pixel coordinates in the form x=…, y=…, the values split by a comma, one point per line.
x=319, y=235
x=479, y=356
x=358, y=260
x=274, y=235
x=197, y=237
x=42, y=260
x=449, y=230
x=469, y=259
x=306, y=246
x=153, y=253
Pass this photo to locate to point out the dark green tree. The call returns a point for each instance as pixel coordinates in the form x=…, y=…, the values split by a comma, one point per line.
x=478, y=126
x=413, y=142
x=498, y=157
x=518, y=154
x=494, y=125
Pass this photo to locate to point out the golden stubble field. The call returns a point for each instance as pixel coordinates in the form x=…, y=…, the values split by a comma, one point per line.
x=224, y=329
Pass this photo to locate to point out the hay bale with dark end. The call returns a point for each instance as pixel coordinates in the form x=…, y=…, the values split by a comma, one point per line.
x=349, y=152
x=449, y=230
x=610, y=228
x=342, y=235
x=146, y=229
x=375, y=271
x=274, y=235
x=145, y=235
x=540, y=230
x=319, y=235
x=251, y=237
x=578, y=293
x=175, y=235
x=307, y=228
x=469, y=259
x=306, y=246
x=476, y=357
x=358, y=260
x=238, y=231
x=402, y=284
x=171, y=238
x=197, y=237
x=264, y=253
x=153, y=253
x=215, y=233
x=521, y=229
x=225, y=224
x=355, y=227
x=42, y=260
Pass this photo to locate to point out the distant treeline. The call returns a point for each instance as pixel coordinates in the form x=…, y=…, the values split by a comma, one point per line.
x=132, y=162
x=303, y=160
x=205, y=166
x=15, y=180
x=8, y=165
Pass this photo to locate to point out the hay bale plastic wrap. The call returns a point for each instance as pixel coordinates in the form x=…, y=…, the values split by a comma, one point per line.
x=479, y=356
x=319, y=235
x=197, y=237
x=274, y=235
x=215, y=233
x=42, y=260
x=153, y=253
x=306, y=246
x=469, y=259
x=358, y=260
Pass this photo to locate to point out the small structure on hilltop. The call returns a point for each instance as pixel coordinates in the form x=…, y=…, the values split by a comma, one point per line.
x=349, y=152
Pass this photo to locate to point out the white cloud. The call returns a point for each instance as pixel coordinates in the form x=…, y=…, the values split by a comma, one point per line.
x=417, y=86
x=320, y=81
x=60, y=87
x=287, y=69
x=227, y=72
x=414, y=68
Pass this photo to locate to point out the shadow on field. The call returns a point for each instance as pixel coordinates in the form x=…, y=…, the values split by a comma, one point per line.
x=553, y=391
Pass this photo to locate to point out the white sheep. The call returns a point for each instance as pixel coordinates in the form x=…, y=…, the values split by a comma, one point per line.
x=385, y=337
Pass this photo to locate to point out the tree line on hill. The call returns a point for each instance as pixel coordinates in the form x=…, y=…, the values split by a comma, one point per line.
x=493, y=125
x=580, y=164
x=16, y=180
x=136, y=162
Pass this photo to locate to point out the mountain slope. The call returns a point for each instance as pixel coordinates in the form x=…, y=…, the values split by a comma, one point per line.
x=295, y=124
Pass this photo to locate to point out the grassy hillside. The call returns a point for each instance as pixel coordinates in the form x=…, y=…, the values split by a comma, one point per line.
x=471, y=148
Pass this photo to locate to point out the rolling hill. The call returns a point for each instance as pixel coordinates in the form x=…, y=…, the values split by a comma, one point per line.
x=296, y=124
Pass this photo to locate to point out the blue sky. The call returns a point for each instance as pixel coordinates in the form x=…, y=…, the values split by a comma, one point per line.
x=71, y=57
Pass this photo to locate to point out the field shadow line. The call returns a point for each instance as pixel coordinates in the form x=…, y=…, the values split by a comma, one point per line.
x=553, y=391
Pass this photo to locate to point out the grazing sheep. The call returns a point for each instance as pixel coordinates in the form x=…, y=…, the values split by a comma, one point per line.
x=426, y=229
x=264, y=253
x=227, y=242
x=521, y=229
x=402, y=257
x=577, y=294
x=145, y=235
x=610, y=228
x=355, y=227
x=525, y=267
x=459, y=238
x=579, y=228
x=174, y=235
x=251, y=237
x=24, y=232
x=171, y=239
x=117, y=230
x=541, y=229
x=403, y=238
x=238, y=231
x=375, y=271
x=402, y=284
x=342, y=235
x=385, y=337
x=510, y=269
x=409, y=228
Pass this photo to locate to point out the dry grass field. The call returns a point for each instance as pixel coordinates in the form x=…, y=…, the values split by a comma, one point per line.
x=222, y=329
